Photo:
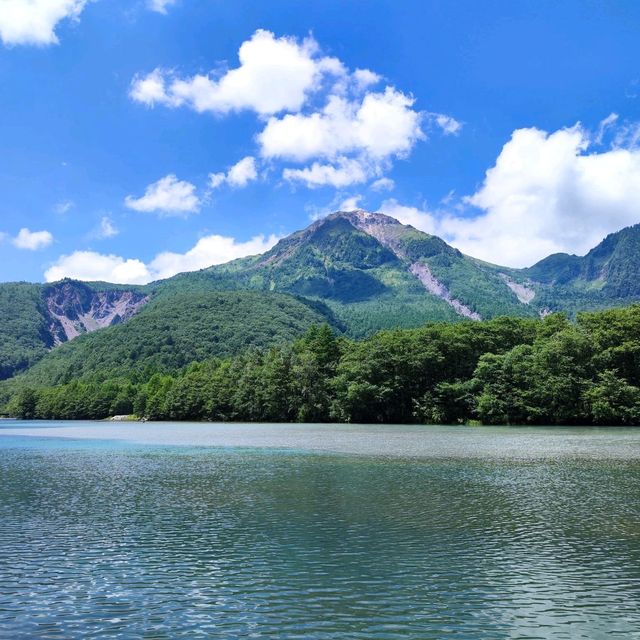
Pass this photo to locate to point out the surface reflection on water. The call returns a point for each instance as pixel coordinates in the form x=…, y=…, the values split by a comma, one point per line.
x=110, y=539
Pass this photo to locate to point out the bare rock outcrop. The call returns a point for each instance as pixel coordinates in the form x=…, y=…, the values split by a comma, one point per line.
x=437, y=288
x=524, y=293
x=74, y=308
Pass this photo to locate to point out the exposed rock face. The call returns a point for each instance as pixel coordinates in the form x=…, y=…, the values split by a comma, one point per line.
x=434, y=286
x=385, y=230
x=74, y=308
x=524, y=293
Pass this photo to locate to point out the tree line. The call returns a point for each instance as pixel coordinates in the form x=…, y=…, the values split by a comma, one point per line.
x=502, y=371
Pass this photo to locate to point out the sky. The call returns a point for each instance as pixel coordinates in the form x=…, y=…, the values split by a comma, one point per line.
x=142, y=138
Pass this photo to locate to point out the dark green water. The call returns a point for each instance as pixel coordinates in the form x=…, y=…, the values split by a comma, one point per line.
x=434, y=533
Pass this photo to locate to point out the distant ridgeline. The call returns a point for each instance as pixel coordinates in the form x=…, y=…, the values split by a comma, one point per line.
x=357, y=272
x=502, y=371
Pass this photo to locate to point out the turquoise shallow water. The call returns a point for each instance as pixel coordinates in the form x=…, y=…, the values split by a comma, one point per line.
x=271, y=531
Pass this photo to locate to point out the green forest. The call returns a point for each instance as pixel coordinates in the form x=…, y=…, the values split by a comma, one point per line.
x=503, y=371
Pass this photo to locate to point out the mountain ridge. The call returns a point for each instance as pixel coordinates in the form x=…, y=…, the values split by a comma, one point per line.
x=369, y=271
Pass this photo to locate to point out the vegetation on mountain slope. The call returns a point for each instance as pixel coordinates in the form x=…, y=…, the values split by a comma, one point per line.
x=34, y=317
x=503, y=371
x=174, y=331
x=365, y=279
x=25, y=336
x=367, y=271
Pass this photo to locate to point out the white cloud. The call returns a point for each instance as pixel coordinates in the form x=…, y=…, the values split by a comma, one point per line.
x=343, y=173
x=380, y=125
x=364, y=78
x=423, y=220
x=217, y=179
x=351, y=203
x=545, y=194
x=35, y=21
x=160, y=6
x=450, y=126
x=239, y=175
x=32, y=240
x=319, y=114
x=106, y=229
x=605, y=124
x=383, y=184
x=210, y=250
x=168, y=196
x=359, y=138
x=627, y=135
x=92, y=266
x=275, y=74
x=242, y=172
x=150, y=89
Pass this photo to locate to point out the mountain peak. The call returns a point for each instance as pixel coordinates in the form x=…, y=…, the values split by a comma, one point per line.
x=613, y=266
x=362, y=216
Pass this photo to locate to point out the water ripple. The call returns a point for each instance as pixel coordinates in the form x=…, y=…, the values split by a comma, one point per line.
x=171, y=543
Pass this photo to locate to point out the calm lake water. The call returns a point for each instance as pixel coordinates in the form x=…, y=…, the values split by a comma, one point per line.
x=278, y=531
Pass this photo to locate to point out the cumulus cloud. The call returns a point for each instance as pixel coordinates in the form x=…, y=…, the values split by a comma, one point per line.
x=364, y=78
x=150, y=89
x=34, y=21
x=239, y=175
x=358, y=138
x=380, y=125
x=416, y=217
x=546, y=194
x=328, y=124
x=383, y=184
x=209, y=250
x=168, y=196
x=160, y=6
x=92, y=266
x=32, y=240
x=275, y=74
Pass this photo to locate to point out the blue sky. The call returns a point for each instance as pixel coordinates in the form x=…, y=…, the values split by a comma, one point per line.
x=140, y=138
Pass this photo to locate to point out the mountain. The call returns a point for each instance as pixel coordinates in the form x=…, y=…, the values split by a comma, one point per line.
x=173, y=331
x=373, y=272
x=613, y=267
x=358, y=271
x=35, y=318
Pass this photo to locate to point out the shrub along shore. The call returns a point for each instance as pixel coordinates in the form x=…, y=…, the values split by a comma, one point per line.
x=502, y=371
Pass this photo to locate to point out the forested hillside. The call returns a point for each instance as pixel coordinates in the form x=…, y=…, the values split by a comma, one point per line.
x=361, y=272
x=34, y=318
x=25, y=335
x=174, y=331
x=503, y=371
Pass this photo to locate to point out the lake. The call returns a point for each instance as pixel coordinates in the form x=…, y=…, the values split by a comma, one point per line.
x=318, y=531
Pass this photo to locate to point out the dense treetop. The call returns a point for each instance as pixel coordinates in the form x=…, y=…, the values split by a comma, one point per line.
x=502, y=371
